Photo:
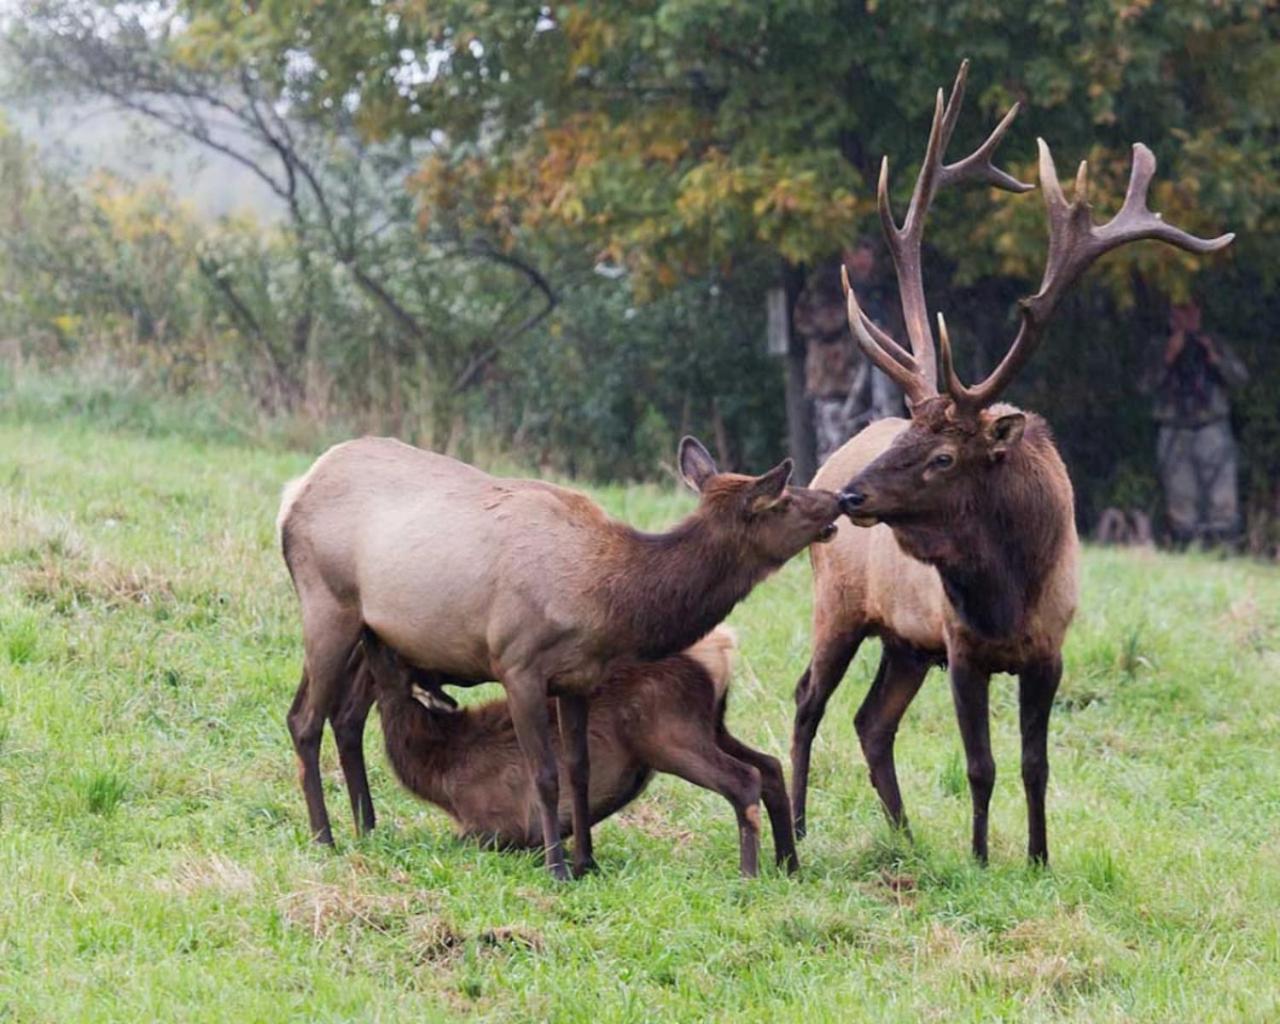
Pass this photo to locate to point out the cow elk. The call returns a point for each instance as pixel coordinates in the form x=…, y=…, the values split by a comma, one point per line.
x=964, y=550
x=648, y=716
x=475, y=578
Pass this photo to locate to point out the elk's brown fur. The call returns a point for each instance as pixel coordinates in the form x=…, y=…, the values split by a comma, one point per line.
x=963, y=547
x=656, y=716
x=474, y=578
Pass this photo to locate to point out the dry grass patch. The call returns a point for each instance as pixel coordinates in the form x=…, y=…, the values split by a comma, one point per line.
x=214, y=873
x=647, y=817
x=67, y=584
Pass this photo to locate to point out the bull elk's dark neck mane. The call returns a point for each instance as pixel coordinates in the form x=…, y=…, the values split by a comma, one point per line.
x=995, y=553
x=665, y=591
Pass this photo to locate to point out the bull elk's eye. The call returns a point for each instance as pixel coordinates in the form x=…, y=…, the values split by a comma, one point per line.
x=941, y=461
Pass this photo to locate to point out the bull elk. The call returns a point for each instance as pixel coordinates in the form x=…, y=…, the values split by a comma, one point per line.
x=648, y=716
x=475, y=578
x=966, y=550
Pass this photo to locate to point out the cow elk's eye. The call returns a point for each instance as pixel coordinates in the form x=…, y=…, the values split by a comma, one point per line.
x=941, y=461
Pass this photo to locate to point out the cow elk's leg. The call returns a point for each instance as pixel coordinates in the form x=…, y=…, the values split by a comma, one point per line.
x=573, y=740
x=1037, y=685
x=970, y=690
x=328, y=640
x=348, y=731
x=527, y=699
x=773, y=791
x=831, y=656
x=897, y=682
x=307, y=729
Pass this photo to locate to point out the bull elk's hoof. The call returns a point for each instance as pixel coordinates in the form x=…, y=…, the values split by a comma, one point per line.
x=558, y=871
x=587, y=867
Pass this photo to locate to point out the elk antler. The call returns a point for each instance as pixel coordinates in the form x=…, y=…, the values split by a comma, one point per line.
x=1074, y=243
x=916, y=371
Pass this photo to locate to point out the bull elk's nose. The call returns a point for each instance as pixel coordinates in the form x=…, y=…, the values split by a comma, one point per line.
x=850, y=500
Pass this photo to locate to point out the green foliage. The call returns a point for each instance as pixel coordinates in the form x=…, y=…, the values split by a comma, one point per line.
x=186, y=889
x=692, y=144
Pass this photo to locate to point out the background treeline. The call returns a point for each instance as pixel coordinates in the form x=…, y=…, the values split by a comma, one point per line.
x=548, y=231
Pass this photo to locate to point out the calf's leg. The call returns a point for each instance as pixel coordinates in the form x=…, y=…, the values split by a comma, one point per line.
x=694, y=756
x=773, y=790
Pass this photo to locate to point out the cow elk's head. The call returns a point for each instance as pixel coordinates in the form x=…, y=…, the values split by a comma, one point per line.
x=773, y=520
x=957, y=438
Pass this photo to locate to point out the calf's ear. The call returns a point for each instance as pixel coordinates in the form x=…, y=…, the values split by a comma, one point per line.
x=696, y=464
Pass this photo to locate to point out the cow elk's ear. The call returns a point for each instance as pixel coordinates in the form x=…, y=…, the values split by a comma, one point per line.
x=696, y=464
x=1004, y=432
x=768, y=489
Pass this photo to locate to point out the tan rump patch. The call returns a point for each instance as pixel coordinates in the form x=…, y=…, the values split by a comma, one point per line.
x=288, y=495
x=715, y=652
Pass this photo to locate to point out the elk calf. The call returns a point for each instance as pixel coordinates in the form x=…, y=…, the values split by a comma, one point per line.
x=659, y=716
x=476, y=578
x=967, y=552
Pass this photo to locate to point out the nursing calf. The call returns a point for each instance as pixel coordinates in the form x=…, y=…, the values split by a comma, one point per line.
x=660, y=716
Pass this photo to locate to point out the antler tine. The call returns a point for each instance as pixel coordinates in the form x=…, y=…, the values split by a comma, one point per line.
x=978, y=165
x=899, y=364
x=1136, y=221
x=905, y=240
x=954, y=386
x=1074, y=243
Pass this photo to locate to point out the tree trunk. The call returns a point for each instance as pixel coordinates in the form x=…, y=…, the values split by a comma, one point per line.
x=800, y=439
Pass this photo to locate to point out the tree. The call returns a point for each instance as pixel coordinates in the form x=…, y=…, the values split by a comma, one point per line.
x=342, y=190
x=684, y=135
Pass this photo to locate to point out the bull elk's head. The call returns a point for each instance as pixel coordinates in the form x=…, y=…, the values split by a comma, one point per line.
x=964, y=432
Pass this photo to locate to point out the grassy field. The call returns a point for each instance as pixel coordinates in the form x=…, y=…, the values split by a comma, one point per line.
x=153, y=844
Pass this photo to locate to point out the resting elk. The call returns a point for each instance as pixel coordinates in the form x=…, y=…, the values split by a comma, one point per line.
x=964, y=547
x=648, y=716
x=474, y=578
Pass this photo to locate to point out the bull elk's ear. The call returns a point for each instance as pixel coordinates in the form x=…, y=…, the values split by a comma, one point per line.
x=1004, y=432
x=768, y=488
x=696, y=464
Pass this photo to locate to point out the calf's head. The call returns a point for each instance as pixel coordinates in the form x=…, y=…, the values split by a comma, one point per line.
x=769, y=519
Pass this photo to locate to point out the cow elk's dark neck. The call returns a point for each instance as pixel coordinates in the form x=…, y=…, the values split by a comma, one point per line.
x=666, y=591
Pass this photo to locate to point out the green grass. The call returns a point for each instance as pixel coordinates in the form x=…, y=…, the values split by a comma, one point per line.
x=153, y=841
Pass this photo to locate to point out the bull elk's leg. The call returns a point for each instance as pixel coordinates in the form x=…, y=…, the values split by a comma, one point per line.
x=527, y=700
x=1037, y=685
x=970, y=688
x=902, y=671
x=773, y=791
x=832, y=652
x=573, y=739
x=348, y=731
